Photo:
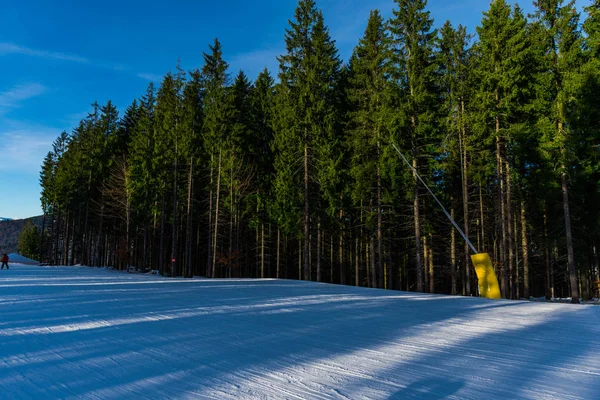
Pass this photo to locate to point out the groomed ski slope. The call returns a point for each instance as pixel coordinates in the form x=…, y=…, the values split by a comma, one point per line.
x=95, y=334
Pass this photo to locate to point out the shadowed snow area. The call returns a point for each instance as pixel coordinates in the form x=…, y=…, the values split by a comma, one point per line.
x=95, y=334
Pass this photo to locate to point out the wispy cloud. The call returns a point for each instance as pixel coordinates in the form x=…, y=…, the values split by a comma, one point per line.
x=150, y=77
x=24, y=150
x=14, y=96
x=7, y=48
x=11, y=48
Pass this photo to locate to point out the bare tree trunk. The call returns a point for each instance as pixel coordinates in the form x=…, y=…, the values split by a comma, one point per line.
x=426, y=261
x=511, y=234
x=72, y=246
x=431, y=266
x=570, y=252
x=341, y=248
x=417, y=223
x=525, y=245
x=306, y=215
x=596, y=266
x=232, y=212
x=145, y=247
x=368, y=263
x=356, y=263
x=465, y=195
x=318, y=251
x=482, y=218
x=331, y=259
x=210, y=231
x=188, y=228
x=502, y=214
x=216, y=232
x=453, y=253
x=379, y=232
x=174, y=234
x=262, y=251
x=278, y=256
x=86, y=233
x=161, y=249
x=372, y=253
x=547, y=253
x=42, y=236
x=300, y=259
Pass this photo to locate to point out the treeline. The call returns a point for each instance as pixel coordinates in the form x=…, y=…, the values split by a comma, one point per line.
x=11, y=230
x=296, y=178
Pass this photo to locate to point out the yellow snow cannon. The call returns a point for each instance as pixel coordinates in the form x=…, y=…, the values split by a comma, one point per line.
x=488, y=282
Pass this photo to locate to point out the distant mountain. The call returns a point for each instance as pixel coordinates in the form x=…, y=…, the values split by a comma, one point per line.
x=10, y=230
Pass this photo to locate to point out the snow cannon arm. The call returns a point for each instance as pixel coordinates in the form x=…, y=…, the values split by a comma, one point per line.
x=488, y=283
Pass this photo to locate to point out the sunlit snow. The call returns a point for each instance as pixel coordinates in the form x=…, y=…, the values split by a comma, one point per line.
x=93, y=333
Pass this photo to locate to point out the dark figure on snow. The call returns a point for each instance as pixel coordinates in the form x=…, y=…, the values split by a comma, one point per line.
x=4, y=261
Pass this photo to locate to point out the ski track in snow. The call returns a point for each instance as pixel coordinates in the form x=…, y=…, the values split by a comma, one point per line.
x=90, y=333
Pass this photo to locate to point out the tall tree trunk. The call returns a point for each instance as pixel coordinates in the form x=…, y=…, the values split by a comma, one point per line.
x=356, y=263
x=331, y=258
x=306, y=215
x=174, y=234
x=547, y=254
x=453, y=253
x=319, y=250
x=210, y=232
x=525, y=245
x=417, y=223
x=426, y=261
x=482, y=221
x=42, y=237
x=373, y=269
x=596, y=267
x=72, y=246
x=379, y=231
x=341, y=248
x=231, y=214
x=570, y=253
x=145, y=247
x=511, y=233
x=161, y=247
x=300, y=249
x=502, y=214
x=216, y=231
x=278, y=255
x=262, y=251
x=101, y=239
x=431, y=266
x=65, y=244
x=465, y=196
x=188, y=227
x=86, y=232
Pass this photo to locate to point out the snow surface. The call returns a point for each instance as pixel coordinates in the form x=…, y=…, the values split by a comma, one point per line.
x=97, y=334
x=15, y=258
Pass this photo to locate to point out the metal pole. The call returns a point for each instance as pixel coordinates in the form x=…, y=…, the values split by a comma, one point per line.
x=439, y=202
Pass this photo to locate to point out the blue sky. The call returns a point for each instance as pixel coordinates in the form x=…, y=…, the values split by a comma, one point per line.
x=57, y=57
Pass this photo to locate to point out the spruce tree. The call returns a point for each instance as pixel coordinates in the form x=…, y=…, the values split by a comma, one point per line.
x=502, y=96
x=369, y=92
x=219, y=112
x=309, y=72
x=454, y=63
x=560, y=29
x=414, y=47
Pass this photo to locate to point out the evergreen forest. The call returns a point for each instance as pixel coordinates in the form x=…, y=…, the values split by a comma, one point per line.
x=294, y=175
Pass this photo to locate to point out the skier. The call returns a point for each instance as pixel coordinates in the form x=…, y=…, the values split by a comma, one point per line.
x=4, y=261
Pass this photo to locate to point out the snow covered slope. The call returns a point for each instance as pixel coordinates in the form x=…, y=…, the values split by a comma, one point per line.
x=19, y=259
x=98, y=334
